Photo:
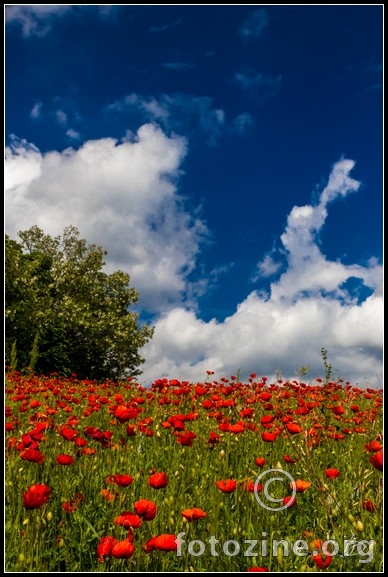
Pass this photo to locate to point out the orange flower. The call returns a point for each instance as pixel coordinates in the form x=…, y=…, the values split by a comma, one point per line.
x=158, y=480
x=64, y=460
x=332, y=473
x=164, y=542
x=227, y=486
x=123, y=549
x=193, y=514
x=108, y=495
x=300, y=485
x=146, y=509
x=105, y=546
x=36, y=496
x=376, y=459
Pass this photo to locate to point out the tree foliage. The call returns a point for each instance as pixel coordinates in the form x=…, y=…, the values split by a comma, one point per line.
x=64, y=314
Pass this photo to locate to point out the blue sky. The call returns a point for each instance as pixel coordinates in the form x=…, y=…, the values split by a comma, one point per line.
x=229, y=158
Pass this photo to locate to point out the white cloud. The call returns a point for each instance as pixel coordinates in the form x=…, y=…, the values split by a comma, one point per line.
x=73, y=134
x=36, y=111
x=306, y=311
x=122, y=196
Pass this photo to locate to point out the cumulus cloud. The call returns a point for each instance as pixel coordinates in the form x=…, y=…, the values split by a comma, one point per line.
x=307, y=310
x=122, y=196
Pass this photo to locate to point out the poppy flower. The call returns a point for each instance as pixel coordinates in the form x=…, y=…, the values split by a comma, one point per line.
x=332, y=473
x=289, y=460
x=158, y=480
x=227, y=486
x=368, y=505
x=33, y=455
x=300, y=485
x=105, y=546
x=193, y=514
x=257, y=569
x=146, y=509
x=260, y=461
x=373, y=446
x=164, y=542
x=70, y=506
x=268, y=437
x=127, y=520
x=120, y=480
x=322, y=561
x=108, y=495
x=64, y=460
x=294, y=428
x=214, y=438
x=249, y=486
x=186, y=439
x=338, y=410
x=289, y=501
x=123, y=549
x=36, y=496
x=376, y=459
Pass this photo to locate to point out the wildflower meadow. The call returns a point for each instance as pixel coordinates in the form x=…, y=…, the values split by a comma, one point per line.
x=214, y=476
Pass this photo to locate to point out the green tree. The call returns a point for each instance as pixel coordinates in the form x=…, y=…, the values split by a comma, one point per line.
x=60, y=305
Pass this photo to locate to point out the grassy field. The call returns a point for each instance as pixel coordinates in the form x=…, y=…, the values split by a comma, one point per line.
x=218, y=476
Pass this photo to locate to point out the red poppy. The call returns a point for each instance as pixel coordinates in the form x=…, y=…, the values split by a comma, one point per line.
x=293, y=428
x=127, y=520
x=33, y=455
x=124, y=414
x=322, y=561
x=164, y=542
x=376, y=459
x=288, y=459
x=289, y=501
x=68, y=433
x=258, y=569
x=214, y=438
x=268, y=437
x=193, y=514
x=146, y=509
x=338, y=410
x=120, y=480
x=70, y=506
x=368, y=505
x=249, y=486
x=332, y=473
x=227, y=486
x=373, y=446
x=105, y=546
x=123, y=549
x=186, y=439
x=260, y=461
x=36, y=496
x=64, y=460
x=158, y=480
